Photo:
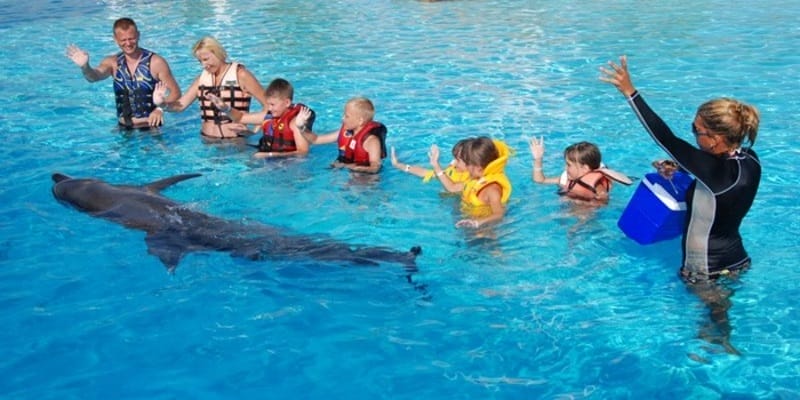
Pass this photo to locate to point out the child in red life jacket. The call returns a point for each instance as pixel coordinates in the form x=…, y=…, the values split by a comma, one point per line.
x=584, y=178
x=279, y=121
x=361, y=140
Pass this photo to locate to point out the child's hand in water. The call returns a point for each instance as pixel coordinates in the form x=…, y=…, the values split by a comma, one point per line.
x=468, y=223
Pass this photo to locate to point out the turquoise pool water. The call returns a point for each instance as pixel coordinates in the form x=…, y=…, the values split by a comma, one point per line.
x=553, y=303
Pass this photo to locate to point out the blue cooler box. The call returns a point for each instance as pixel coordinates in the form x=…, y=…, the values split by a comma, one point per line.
x=657, y=210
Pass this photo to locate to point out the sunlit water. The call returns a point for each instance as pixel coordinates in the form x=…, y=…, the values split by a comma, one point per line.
x=552, y=303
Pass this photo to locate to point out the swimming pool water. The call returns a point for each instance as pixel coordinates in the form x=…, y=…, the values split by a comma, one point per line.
x=553, y=303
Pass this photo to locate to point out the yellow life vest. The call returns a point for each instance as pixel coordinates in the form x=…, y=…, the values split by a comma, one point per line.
x=455, y=175
x=493, y=173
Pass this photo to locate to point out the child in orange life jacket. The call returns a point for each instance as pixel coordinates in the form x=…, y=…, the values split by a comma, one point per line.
x=282, y=128
x=584, y=178
x=361, y=140
x=456, y=171
x=485, y=194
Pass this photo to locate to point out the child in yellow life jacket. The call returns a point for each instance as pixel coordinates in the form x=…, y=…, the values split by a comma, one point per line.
x=485, y=194
x=456, y=170
x=585, y=178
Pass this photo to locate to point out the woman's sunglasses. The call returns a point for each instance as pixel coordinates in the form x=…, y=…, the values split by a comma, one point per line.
x=698, y=133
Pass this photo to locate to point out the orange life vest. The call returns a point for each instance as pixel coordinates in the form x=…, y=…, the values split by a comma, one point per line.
x=351, y=145
x=278, y=135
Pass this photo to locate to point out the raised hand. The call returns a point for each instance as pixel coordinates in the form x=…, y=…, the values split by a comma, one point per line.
x=393, y=156
x=160, y=93
x=302, y=117
x=77, y=55
x=433, y=155
x=537, y=147
x=617, y=75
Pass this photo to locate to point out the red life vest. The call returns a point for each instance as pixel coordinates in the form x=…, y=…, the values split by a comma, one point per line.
x=351, y=146
x=278, y=135
x=585, y=187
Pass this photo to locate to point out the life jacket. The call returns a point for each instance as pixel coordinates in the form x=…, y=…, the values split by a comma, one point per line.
x=454, y=174
x=351, y=145
x=134, y=93
x=585, y=187
x=278, y=136
x=228, y=90
x=492, y=173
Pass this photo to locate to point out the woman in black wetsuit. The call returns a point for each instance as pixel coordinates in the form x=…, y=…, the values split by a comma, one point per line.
x=727, y=175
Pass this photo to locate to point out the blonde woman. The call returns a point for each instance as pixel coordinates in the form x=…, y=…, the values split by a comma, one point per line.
x=727, y=175
x=230, y=81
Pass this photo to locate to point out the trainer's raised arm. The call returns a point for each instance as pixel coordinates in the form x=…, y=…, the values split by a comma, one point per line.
x=617, y=75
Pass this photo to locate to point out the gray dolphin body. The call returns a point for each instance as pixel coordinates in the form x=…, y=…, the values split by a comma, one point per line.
x=174, y=230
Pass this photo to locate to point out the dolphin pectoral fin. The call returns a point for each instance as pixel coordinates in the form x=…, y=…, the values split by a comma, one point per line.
x=160, y=185
x=166, y=248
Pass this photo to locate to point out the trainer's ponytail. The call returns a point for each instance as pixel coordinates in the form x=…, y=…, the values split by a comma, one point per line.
x=749, y=120
x=734, y=120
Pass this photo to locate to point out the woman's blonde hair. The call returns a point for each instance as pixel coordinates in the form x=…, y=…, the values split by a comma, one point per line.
x=211, y=45
x=730, y=118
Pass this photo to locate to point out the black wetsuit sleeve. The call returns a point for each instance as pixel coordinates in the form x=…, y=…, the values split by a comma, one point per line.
x=704, y=166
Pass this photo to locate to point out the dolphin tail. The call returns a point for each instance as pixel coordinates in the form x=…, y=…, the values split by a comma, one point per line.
x=160, y=185
x=410, y=262
x=411, y=269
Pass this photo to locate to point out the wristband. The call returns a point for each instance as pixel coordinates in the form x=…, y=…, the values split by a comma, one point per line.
x=440, y=173
x=408, y=167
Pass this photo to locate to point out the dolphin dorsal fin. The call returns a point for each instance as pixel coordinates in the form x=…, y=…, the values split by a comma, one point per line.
x=58, y=177
x=160, y=185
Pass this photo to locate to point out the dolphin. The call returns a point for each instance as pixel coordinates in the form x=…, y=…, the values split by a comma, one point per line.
x=174, y=230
